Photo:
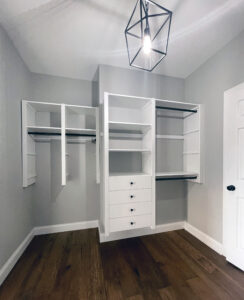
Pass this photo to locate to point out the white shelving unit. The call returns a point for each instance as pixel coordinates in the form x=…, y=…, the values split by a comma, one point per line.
x=128, y=190
x=128, y=155
x=43, y=121
x=178, y=127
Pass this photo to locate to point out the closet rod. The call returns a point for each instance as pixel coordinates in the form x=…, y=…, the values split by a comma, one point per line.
x=68, y=134
x=177, y=109
x=176, y=178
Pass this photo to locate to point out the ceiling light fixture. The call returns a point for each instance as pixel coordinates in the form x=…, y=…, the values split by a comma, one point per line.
x=147, y=34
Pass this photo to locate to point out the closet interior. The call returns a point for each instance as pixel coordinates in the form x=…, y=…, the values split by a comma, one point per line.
x=138, y=140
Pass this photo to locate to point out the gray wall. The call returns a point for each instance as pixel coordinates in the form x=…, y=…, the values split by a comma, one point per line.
x=15, y=202
x=79, y=200
x=207, y=85
x=171, y=196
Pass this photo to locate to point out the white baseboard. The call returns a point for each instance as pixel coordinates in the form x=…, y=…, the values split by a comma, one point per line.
x=10, y=263
x=140, y=232
x=206, y=239
x=65, y=227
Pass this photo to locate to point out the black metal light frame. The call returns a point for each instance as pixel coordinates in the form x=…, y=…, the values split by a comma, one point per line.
x=143, y=8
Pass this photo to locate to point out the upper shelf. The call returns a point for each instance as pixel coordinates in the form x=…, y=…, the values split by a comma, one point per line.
x=176, y=105
x=83, y=131
x=129, y=126
x=43, y=129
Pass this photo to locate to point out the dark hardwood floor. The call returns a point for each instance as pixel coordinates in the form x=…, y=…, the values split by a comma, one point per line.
x=73, y=265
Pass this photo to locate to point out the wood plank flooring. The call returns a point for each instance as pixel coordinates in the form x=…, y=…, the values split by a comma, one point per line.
x=73, y=265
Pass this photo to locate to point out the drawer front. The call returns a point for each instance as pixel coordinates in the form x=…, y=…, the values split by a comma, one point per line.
x=131, y=196
x=127, y=210
x=129, y=223
x=117, y=183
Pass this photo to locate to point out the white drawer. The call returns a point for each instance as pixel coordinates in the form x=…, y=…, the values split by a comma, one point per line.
x=130, y=182
x=130, y=209
x=129, y=223
x=130, y=196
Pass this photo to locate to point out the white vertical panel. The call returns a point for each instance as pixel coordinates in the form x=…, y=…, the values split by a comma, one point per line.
x=106, y=161
x=24, y=144
x=97, y=146
x=192, y=144
x=63, y=143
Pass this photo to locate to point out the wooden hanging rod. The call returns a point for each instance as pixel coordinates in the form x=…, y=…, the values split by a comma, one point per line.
x=177, y=109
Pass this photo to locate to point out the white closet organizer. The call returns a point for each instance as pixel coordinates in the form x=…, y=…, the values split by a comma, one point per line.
x=128, y=163
x=128, y=156
x=178, y=141
x=43, y=121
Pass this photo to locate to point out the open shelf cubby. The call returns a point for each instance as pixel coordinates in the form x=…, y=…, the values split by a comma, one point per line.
x=80, y=119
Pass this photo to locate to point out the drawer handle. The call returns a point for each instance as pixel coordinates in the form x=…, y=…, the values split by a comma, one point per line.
x=132, y=196
x=131, y=183
x=132, y=223
x=132, y=209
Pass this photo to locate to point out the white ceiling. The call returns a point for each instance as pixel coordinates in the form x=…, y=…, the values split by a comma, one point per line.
x=71, y=37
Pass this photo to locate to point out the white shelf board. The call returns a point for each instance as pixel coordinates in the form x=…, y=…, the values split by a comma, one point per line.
x=43, y=129
x=175, y=104
x=191, y=153
x=129, y=150
x=80, y=131
x=129, y=126
x=45, y=106
x=111, y=174
x=191, y=131
x=81, y=110
x=170, y=137
x=175, y=174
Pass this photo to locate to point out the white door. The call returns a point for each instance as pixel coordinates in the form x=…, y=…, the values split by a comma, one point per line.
x=233, y=222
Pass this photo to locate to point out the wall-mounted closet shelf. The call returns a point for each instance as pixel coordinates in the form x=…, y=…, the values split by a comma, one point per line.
x=170, y=137
x=44, y=122
x=129, y=126
x=160, y=176
x=191, y=131
x=129, y=150
x=126, y=174
x=43, y=130
x=80, y=131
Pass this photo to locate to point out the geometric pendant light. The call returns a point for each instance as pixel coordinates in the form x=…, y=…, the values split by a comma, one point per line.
x=147, y=34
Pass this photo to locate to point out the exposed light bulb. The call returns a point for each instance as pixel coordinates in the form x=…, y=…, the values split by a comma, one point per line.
x=147, y=43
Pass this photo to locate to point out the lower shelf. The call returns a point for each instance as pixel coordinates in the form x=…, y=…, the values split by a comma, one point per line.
x=179, y=175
